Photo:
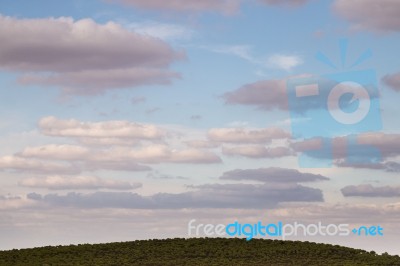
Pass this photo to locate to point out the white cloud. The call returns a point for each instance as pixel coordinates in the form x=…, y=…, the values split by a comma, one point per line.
x=76, y=182
x=285, y=62
x=242, y=135
x=36, y=166
x=201, y=144
x=164, y=31
x=57, y=152
x=242, y=51
x=277, y=61
x=53, y=126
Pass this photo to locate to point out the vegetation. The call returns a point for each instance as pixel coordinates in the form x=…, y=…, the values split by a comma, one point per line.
x=197, y=251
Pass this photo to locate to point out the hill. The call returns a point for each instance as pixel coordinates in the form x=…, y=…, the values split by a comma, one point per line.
x=196, y=251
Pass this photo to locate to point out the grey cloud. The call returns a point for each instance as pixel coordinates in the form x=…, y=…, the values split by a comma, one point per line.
x=206, y=196
x=388, y=166
x=93, y=82
x=272, y=174
x=375, y=15
x=393, y=81
x=196, y=117
x=393, y=167
x=272, y=95
x=371, y=191
x=284, y=2
x=224, y=6
x=2, y=197
x=267, y=95
x=84, y=57
x=138, y=99
x=365, y=147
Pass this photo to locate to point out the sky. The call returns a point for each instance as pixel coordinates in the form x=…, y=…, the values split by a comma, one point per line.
x=125, y=119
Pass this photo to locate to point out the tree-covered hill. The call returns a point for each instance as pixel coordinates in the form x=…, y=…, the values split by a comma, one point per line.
x=197, y=251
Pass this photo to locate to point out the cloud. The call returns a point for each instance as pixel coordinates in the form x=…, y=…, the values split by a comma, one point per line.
x=285, y=62
x=224, y=6
x=153, y=154
x=375, y=15
x=92, y=82
x=277, y=61
x=37, y=166
x=194, y=156
x=56, y=152
x=116, y=165
x=387, y=144
x=272, y=95
x=163, y=31
x=112, y=145
x=152, y=110
x=367, y=148
x=81, y=56
x=392, y=81
x=228, y=7
x=371, y=191
x=205, y=196
x=126, y=158
x=158, y=175
x=138, y=99
x=389, y=166
x=284, y=2
x=76, y=182
x=10, y=202
x=196, y=117
x=201, y=144
x=52, y=126
x=392, y=167
x=266, y=94
x=241, y=51
x=272, y=174
x=242, y=135
x=257, y=151
x=114, y=141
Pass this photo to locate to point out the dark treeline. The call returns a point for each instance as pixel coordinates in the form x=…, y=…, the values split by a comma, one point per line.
x=197, y=251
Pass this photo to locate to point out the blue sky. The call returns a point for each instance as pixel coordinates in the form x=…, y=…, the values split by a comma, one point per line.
x=109, y=105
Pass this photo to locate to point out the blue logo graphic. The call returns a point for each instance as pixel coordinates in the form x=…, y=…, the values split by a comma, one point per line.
x=336, y=105
x=281, y=230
